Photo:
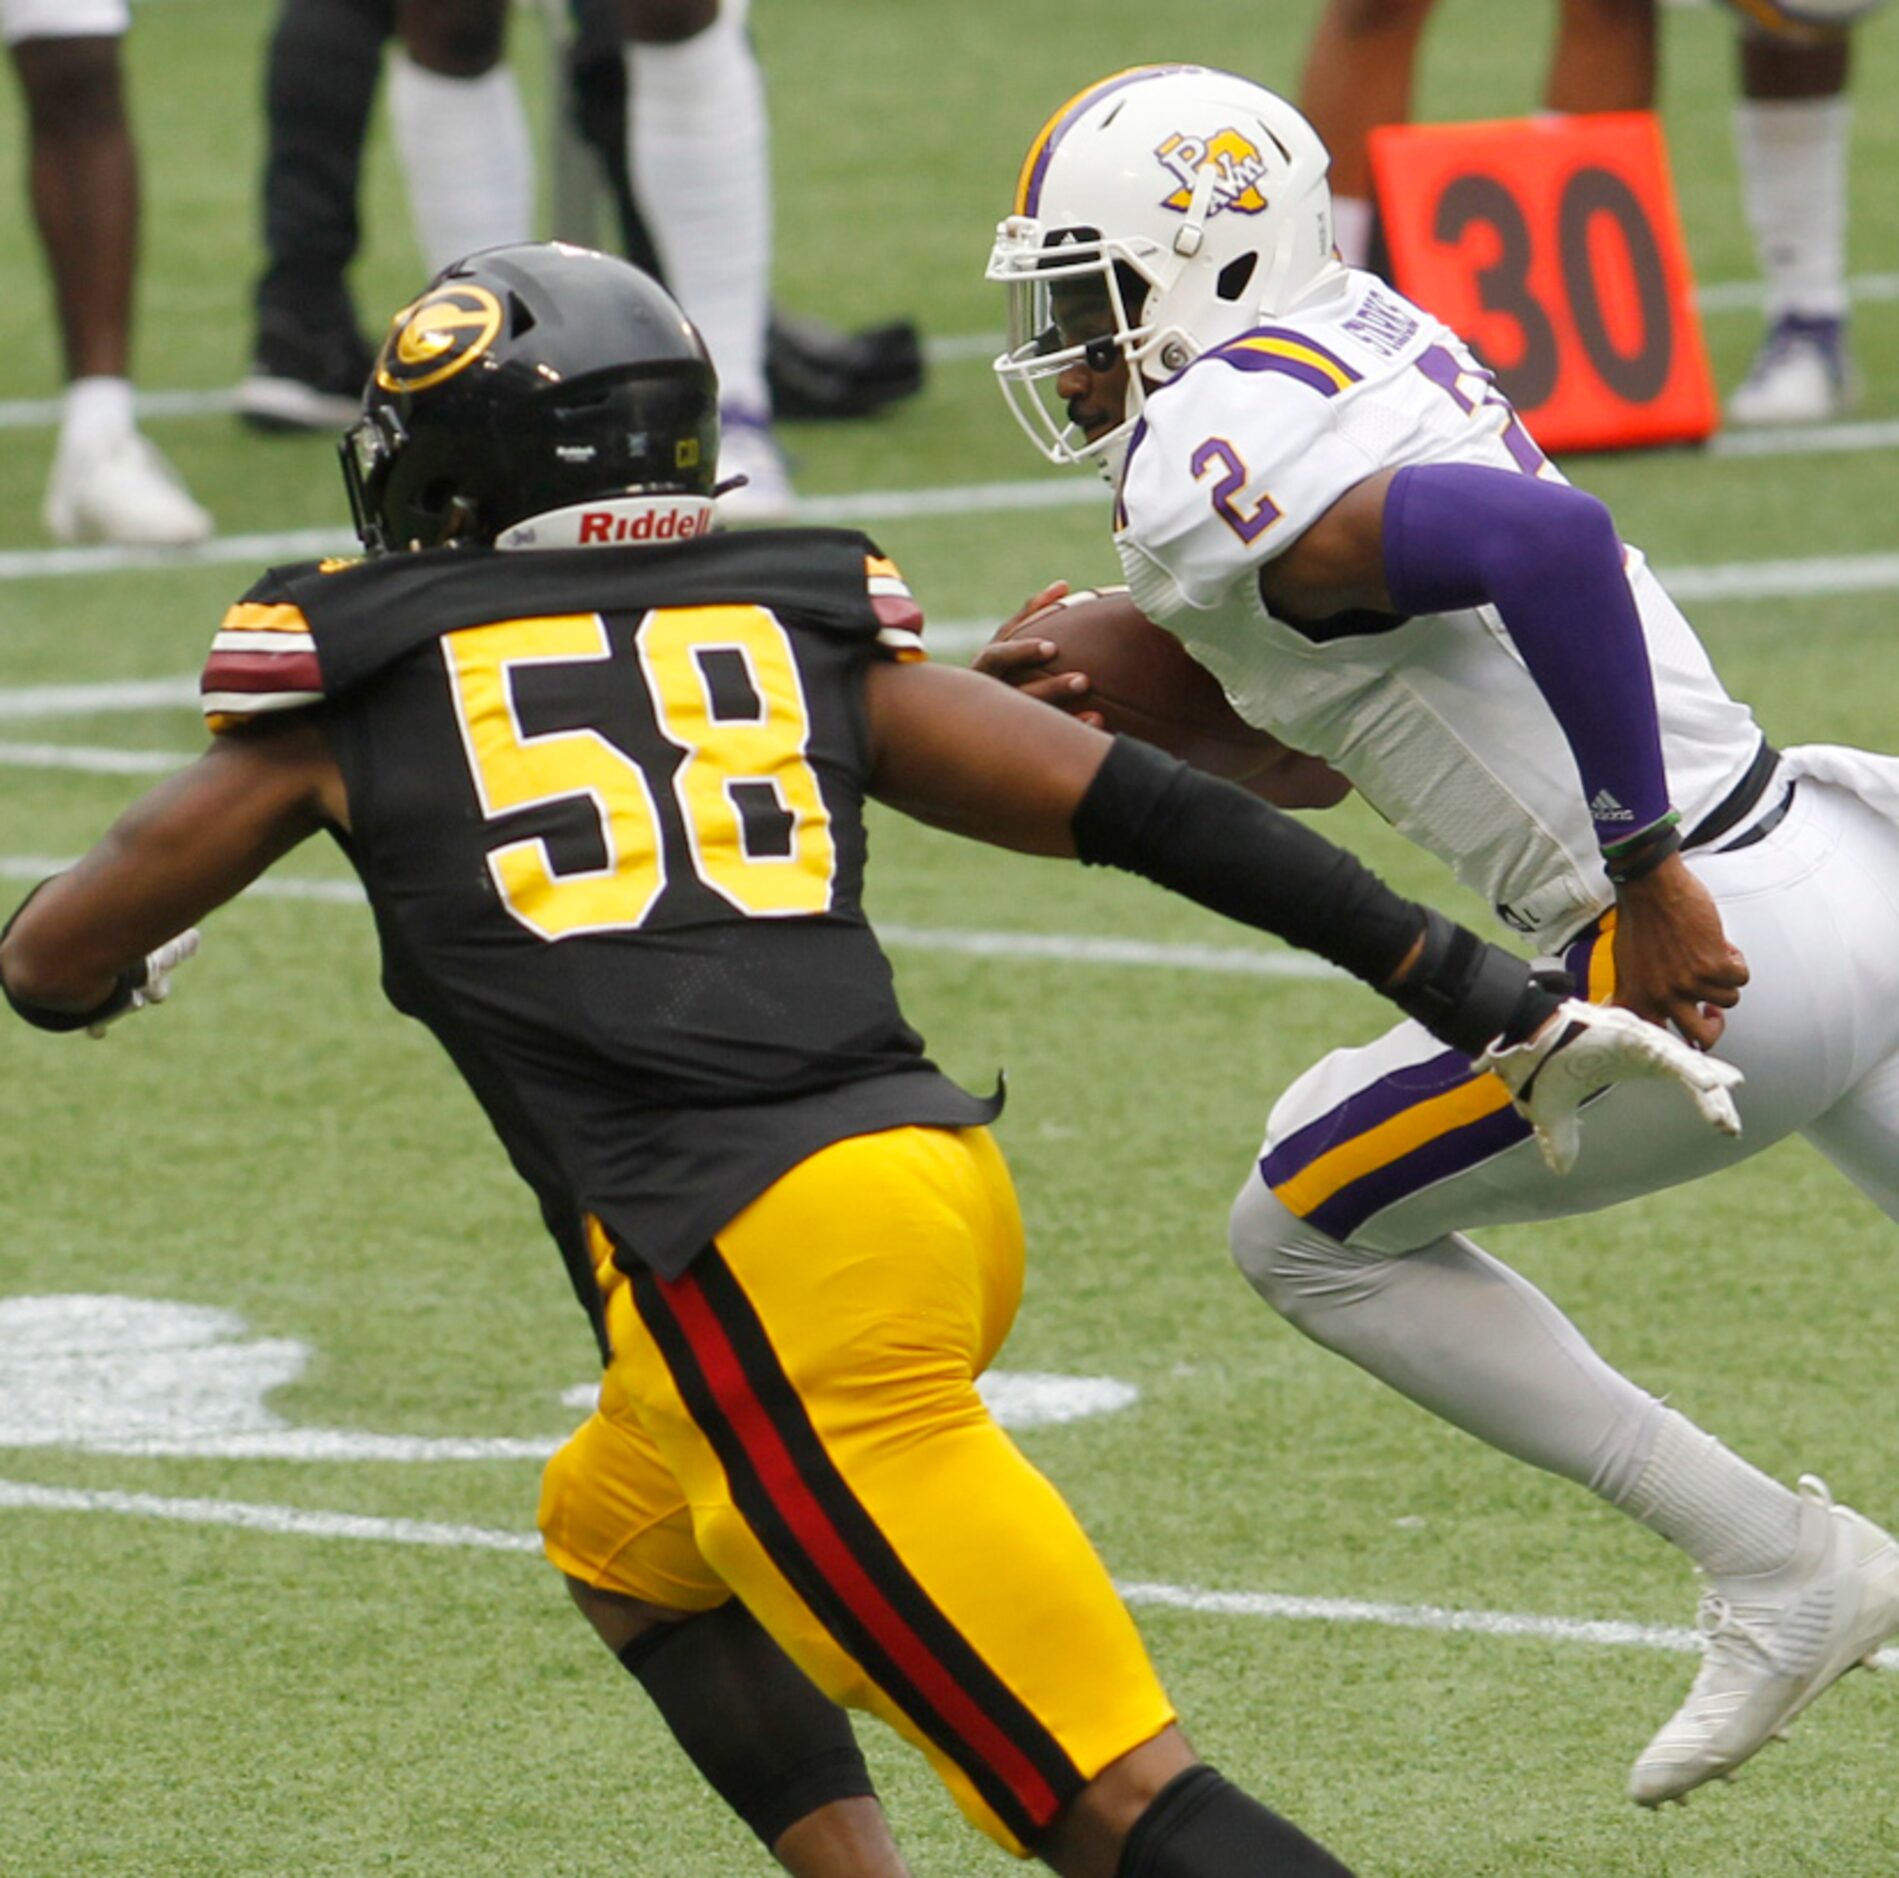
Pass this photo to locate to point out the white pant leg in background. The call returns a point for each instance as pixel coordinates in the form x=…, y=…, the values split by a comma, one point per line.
x=63, y=19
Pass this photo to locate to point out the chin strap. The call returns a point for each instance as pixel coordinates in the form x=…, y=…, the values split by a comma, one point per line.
x=1189, y=235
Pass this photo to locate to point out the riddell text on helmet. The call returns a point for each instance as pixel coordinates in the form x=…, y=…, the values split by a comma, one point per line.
x=672, y=524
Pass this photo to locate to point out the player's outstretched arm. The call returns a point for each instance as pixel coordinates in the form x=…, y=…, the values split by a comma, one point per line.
x=98, y=940
x=1442, y=536
x=966, y=755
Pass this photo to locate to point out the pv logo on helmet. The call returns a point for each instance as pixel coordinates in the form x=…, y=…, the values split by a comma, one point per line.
x=443, y=333
x=1235, y=160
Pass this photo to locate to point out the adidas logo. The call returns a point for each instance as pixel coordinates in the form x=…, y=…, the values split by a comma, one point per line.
x=1605, y=808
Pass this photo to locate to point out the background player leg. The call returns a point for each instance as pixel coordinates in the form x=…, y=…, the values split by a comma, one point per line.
x=308, y=356
x=1358, y=74
x=699, y=154
x=1362, y=65
x=108, y=482
x=1604, y=58
x=461, y=129
x=1792, y=126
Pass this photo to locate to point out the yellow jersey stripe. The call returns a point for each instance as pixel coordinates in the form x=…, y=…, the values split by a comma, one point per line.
x=1391, y=1141
x=249, y=616
x=1300, y=355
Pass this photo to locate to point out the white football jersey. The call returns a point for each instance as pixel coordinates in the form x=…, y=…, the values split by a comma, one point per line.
x=1435, y=719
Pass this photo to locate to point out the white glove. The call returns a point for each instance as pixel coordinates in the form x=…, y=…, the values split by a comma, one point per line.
x=155, y=986
x=1586, y=1047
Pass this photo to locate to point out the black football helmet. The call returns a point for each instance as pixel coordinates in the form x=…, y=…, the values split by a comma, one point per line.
x=525, y=379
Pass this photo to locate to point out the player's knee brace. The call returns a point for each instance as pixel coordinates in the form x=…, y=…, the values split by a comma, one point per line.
x=1202, y=1826
x=770, y=1743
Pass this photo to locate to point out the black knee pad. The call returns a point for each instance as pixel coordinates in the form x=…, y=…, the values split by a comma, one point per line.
x=1202, y=1826
x=771, y=1744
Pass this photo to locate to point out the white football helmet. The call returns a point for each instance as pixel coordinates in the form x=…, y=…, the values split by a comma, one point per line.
x=1161, y=212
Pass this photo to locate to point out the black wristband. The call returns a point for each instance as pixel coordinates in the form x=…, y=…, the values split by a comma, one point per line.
x=1473, y=994
x=46, y=1016
x=1643, y=853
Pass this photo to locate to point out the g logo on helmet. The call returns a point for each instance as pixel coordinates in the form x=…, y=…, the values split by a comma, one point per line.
x=1238, y=170
x=1804, y=19
x=441, y=334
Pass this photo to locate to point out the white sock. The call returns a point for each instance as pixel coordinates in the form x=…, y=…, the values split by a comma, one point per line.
x=1793, y=181
x=1725, y=1514
x=699, y=161
x=1351, y=229
x=466, y=157
x=95, y=411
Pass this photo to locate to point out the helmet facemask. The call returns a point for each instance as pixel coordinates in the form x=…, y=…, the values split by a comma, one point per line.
x=1073, y=299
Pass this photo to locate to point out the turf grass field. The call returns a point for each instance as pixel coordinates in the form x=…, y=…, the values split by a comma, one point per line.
x=313, y=1638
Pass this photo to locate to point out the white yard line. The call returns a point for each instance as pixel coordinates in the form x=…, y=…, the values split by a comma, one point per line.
x=264, y=550
x=89, y=758
x=303, y=1523
x=1730, y=580
x=273, y=1519
x=1071, y=948
x=1725, y=296
x=145, y=694
x=1807, y=440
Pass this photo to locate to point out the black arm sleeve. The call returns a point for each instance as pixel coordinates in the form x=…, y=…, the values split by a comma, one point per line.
x=1239, y=856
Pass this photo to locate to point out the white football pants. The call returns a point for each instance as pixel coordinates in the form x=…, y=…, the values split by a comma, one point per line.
x=1378, y=1158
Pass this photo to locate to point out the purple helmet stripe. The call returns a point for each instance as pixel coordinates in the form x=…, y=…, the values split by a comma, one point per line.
x=1028, y=195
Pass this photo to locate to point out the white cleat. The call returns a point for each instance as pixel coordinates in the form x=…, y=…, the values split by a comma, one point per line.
x=1801, y=375
x=1775, y=1643
x=747, y=448
x=122, y=491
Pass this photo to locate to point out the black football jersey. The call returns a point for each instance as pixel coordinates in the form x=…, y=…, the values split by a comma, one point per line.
x=607, y=805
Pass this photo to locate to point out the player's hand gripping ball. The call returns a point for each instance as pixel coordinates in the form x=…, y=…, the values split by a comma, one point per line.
x=1143, y=684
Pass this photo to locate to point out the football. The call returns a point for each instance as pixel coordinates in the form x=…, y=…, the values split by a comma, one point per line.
x=1145, y=685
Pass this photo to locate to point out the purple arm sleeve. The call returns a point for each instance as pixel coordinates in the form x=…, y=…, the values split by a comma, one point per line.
x=1548, y=558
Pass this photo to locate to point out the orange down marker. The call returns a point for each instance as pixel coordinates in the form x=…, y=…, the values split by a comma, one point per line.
x=1552, y=246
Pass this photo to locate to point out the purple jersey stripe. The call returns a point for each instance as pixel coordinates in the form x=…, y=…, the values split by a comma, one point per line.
x=1453, y=1153
x=1120, y=488
x=1363, y=1111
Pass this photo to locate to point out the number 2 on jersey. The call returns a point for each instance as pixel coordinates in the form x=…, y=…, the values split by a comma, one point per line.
x=725, y=691
x=1248, y=523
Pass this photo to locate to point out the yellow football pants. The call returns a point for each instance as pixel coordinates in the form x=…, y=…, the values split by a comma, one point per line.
x=795, y=1420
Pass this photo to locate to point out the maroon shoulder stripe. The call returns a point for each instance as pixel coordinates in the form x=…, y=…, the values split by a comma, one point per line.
x=821, y=1537
x=262, y=671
